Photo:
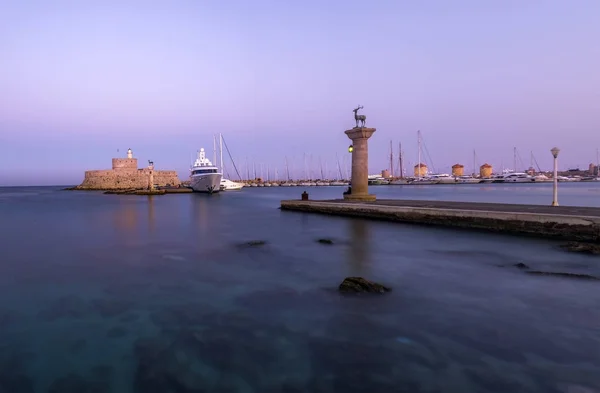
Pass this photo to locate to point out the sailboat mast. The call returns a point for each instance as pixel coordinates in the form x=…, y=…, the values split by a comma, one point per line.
x=419, y=155
x=247, y=168
x=337, y=159
x=221, y=151
x=515, y=159
x=214, y=150
x=531, y=159
x=400, y=166
x=474, y=164
x=321, y=165
x=305, y=176
x=391, y=160
x=287, y=168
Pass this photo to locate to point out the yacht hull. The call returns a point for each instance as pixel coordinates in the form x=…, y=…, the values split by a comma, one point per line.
x=206, y=182
x=228, y=185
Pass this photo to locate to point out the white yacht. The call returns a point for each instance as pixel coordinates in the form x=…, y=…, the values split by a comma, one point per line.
x=205, y=177
x=228, y=185
x=422, y=181
x=541, y=177
x=442, y=178
x=338, y=183
x=493, y=179
x=467, y=180
x=517, y=177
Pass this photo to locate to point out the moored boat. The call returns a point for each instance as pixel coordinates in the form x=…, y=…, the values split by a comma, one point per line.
x=205, y=177
x=228, y=185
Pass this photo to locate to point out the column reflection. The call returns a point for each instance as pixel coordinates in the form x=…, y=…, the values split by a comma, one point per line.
x=359, y=255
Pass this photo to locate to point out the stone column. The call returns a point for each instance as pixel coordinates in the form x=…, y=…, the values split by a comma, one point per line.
x=151, y=180
x=360, y=164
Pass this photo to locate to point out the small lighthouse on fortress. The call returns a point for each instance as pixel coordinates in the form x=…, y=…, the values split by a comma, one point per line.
x=129, y=153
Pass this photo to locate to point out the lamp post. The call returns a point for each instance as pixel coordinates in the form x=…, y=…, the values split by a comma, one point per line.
x=554, y=152
x=350, y=149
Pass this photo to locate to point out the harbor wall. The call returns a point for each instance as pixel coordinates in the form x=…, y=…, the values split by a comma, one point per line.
x=578, y=228
x=126, y=178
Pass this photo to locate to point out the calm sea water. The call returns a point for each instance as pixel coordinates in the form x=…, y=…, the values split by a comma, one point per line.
x=109, y=293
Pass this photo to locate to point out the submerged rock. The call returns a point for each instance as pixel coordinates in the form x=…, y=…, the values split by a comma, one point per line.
x=521, y=265
x=360, y=285
x=585, y=248
x=253, y=243
x=325, y=241
x=561, y=274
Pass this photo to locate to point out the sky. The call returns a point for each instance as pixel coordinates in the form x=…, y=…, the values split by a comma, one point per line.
x=82, y=81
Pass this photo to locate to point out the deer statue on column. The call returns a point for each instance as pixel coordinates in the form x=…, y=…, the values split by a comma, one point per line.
x=357, y=117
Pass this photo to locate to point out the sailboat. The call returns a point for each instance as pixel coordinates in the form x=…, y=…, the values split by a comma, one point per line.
x=422, y=180
x=401, y=179
x=226, y=184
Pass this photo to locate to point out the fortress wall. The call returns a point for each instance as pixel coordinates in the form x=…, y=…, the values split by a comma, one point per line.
x=124, y=164
x=126, y=179
x=163, y=178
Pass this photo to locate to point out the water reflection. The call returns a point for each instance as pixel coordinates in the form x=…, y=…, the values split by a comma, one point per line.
x=359, y=251
x=151, y=217
x=125, y=217
x=200, y=213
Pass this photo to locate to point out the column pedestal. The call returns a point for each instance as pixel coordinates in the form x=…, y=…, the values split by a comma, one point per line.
x=360, y=164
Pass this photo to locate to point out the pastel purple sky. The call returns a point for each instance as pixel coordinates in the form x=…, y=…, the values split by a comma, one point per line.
x=81, y=79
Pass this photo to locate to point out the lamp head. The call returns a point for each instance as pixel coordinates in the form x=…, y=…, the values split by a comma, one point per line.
x=350, y=149
x=555, y=151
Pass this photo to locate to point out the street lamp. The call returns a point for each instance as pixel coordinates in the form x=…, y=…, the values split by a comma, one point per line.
x=350, y=149
x=554, y=152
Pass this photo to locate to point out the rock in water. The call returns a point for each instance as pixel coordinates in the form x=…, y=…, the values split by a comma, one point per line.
x=521, y=265
x=253, y=243
x=586, y=248
x=360, y=285
x=325, y=241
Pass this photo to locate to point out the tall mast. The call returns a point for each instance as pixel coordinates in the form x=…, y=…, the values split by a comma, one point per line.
x=254, y=169
x=214, y=150
x=515, y=159
x=287, y=168
x=391, y=160
x=474, y=164
x=321, y=165
x=221, y=151
x=400, y=166
x=339, y=167
x=419, y=155
x=531, y=159
x=305, y=175
x=247, y=168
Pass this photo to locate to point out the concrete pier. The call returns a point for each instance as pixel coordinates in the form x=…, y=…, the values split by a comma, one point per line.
x=563, y=222
x=360, y=164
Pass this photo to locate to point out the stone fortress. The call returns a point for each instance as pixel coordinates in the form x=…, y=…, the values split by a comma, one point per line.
x=125, y=175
